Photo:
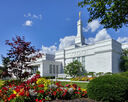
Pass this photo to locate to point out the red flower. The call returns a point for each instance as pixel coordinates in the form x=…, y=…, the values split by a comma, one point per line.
x=83, y=94
x=36, y=100
x=41, y=85
x=40, y=100
x=78, y=92
x=0, y=91
x=27, y=93
x=17, y=90
x=41, y=91
x=74, y=85
x=11, y=97
x=75, y=92
x=4, y=88
x=54, y=93
x=79, y=88
x=64, y=94
x=21, y=93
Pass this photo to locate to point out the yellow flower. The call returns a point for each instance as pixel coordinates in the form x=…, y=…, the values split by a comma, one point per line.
x=14, y=92
x=83, y=89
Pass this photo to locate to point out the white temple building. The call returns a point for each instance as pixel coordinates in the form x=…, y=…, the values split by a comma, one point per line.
x=103, y=56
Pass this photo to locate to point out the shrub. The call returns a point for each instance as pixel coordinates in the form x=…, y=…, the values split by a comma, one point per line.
x=49, y=77
x=108, y=88
x=37, y=72
x=108, y=73
x=92, y=74
x=125, y=74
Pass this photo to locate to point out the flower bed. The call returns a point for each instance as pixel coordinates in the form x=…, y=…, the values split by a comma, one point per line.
x=82, y=78
x=38, y=89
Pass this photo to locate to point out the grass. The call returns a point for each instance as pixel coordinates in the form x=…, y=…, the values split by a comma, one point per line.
x=82, y=85
x=1, y=82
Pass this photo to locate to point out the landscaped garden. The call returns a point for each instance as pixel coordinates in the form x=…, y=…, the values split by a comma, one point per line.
x=38, y=89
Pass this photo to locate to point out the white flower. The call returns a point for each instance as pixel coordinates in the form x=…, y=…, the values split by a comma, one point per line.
x=70, y=90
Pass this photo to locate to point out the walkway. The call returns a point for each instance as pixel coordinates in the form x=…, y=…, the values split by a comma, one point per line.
x=70, y=81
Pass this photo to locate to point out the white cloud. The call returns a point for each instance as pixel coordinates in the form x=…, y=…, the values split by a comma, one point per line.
x=28, y=23
x=49, y=50
x=122, y=39
x=66, y=42
x=27, y=15
x=93, y=26
x=101, y=35
x=33, y=16
x=70, y=40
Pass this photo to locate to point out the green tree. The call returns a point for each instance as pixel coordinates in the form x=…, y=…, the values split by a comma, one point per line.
x=112, y=13
x=124, y=60
x=5, y=62
x=74, y=69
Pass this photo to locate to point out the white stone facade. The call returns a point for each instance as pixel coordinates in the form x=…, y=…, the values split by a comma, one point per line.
x=47, y=66
x=103, y=56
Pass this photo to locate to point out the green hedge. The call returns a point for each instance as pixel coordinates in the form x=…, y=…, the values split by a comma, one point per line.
x=108, y=88
x=125, y=74
x=49, y=77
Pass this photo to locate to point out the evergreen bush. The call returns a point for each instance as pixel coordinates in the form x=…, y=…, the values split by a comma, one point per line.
x=108, y=88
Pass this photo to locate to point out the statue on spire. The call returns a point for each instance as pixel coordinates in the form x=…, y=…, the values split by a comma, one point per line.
x=80, y=15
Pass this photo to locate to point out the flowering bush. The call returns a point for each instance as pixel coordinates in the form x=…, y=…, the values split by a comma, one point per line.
x=38, y=89
x=43, y=81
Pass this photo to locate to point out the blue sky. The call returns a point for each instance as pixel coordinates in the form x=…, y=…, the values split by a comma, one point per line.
x=49, y=24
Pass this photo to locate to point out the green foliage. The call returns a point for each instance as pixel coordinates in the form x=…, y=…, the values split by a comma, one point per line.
x=112, y=13
x=100, y=73
x=1, y=82
x=1, y=71
x=49, y=77
x=124, y=60
x=108, y=88
x=74, y=69
x=91, y=73
x=37, y=72
x=125, y=74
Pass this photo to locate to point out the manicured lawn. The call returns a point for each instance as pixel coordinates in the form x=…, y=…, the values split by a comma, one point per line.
x=1, y=82
x=82, y=85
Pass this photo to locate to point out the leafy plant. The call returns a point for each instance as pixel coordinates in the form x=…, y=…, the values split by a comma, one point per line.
x=108, y=88
x=112, y=13
x=92, y=74
x=74, y=69
x=100, y=73
x=124, y=60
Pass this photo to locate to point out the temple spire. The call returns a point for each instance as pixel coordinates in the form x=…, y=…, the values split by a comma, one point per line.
x=79, y=40
x=80, y=15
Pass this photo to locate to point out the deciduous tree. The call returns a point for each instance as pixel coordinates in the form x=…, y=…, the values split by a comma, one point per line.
x=21, y=53
x=112, y=13
x=124, y=60
x=74, y=69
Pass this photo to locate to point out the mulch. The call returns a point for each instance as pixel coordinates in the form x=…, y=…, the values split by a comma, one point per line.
x=75, y=100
